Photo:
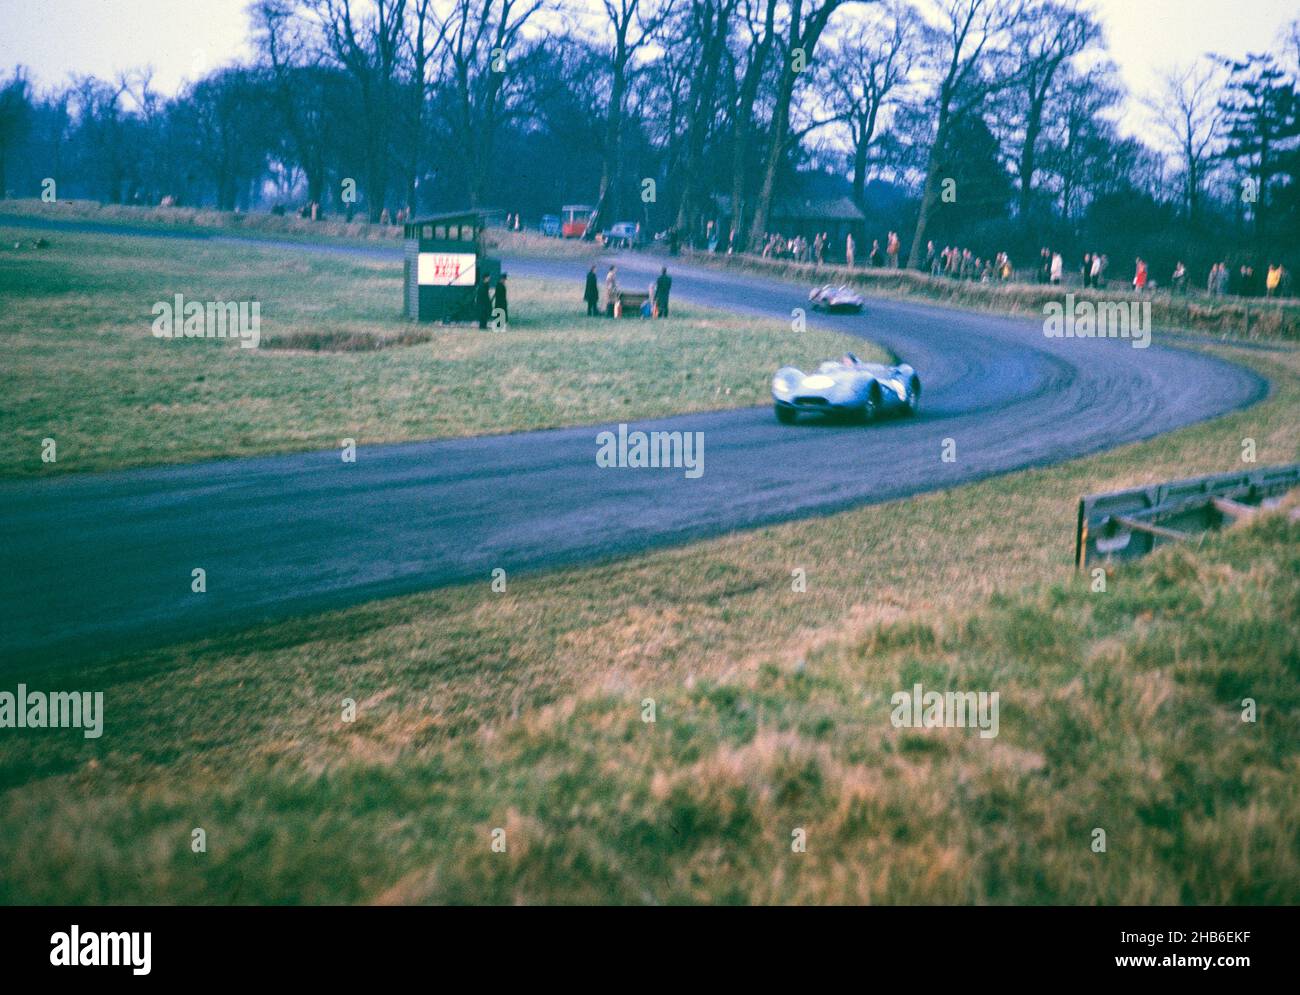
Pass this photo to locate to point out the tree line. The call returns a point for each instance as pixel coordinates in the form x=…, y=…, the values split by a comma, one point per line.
x=993, y=123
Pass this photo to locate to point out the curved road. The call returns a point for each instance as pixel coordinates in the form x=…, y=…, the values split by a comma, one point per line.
x=101, y=563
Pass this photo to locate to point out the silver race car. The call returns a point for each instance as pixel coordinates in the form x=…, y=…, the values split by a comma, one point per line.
x=836, y=300
x=846, y=386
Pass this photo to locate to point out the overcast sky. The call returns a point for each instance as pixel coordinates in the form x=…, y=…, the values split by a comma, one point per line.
x=179, y=38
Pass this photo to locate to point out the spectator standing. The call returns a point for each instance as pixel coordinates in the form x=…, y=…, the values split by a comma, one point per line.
x=1056, y=268
x=875, y=253
x=891, y=249
x=1178, y=281
x=1273, y=280
x=611, y=292
x=848, y=249
x=1086, y=270
x=499, y=300
x=662, y=287
x=1140, y=275
x=591, y=294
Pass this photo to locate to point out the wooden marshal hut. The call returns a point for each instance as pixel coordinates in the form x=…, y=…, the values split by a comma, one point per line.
x=445, y=258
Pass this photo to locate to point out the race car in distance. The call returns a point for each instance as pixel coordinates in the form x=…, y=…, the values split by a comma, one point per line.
x=846, y=386
x=836, y=300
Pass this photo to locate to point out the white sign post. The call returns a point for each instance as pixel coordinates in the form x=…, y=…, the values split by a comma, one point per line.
x=447, y=269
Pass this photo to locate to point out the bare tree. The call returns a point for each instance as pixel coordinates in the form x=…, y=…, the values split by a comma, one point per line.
x=102, y=122
x=759, y=41
x=369, y=46
x=15, y=117
x=804, y=30
x=1049, y=36
x=1187, y=112
x=292, y=57
x=872, y=60
x=482, y=38
x=631, y=23
x=963, y=53
x=709, y=24
x=1079, y=142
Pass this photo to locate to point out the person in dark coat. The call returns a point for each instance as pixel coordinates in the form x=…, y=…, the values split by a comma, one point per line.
x=499, y=301
x=592, y=294
x=483, y=301
x=662, y=286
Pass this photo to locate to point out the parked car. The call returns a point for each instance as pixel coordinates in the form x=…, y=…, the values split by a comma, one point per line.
x=622, y=235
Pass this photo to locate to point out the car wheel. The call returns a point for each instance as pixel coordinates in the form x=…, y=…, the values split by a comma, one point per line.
x=869, y=410
x=913, y=396
x=786, y=416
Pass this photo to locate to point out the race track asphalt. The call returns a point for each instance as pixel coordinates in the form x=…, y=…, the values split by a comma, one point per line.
x=101, y=564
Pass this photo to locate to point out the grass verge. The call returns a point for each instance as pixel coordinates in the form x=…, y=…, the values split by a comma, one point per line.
x=337, y=360
x=264, y=225
x=1227, y=317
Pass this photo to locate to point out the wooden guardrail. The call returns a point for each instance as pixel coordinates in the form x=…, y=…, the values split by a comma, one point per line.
x=1124, y=525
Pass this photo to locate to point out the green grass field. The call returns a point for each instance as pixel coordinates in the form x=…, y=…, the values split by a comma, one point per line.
x=524, y=711
x=289, y=227
x=79, y=363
